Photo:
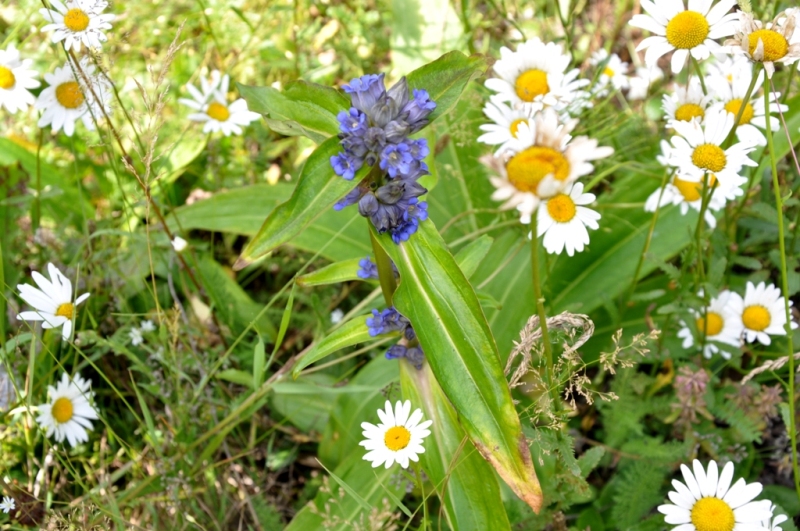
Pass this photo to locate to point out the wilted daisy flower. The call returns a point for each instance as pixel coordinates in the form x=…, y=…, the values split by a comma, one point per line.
x=69, y=413
x=774, y=524
x=79, y=21
x=215, y=110
x=52, y=302
x=398, y=438
x=762, y=312
x=16, y=77
x=684, y=30
x=506, y=123
x=641, y=81
x=774, y=42
x=708, y=502
x=615, y=71
x=697, y=152
x=563, y=220
x=686, y=103
x=719, y=323
x=67, y=99
x=543, y=159
x=7, y=505
x=730, y=97
x=536, y=74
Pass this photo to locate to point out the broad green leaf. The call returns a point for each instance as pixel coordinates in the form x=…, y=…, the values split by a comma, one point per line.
x=302, y=404
x=304, y=108
x=351, y=333
x=471, y=256
x=236, y=376
x=463, y=480
x=438, y=300
x=334, y=273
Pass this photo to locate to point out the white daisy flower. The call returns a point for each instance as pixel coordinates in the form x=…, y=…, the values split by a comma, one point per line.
x=640, y=82
x=689, y=194
x=686, y=103
x=719, y=323
x=397, y=438
x=179, y=244
x=774, y=524
x=762, y=312
x=730, y=97
x=8, y=504
x=506, y=123
x=543, y=159
x=536, y=75
x=68, y=415
x=215, y=110
x=67, y=99
x=774, y=42
x=615, y=71
x=136, y=337
x=563, y=220
x=729, y=67
x=684, y=30
x=697, y=152
x=52, y=301
x=16, y=77
x=78, y=22
x=708, y=502
x=147, y=326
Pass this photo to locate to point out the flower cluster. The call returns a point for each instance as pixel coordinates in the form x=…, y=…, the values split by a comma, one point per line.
x=390, y=320
x=375, y=131
x=730, y=319
x=212, y=108
x=367, y=269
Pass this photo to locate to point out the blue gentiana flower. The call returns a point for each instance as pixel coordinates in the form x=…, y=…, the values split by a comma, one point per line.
x=390, y=320
x=369, y=270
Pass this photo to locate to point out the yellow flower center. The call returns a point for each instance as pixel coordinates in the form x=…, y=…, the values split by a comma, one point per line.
x=687, y=111
x=397, y=438
x=62, y=410
x=532, y=83
x=712, y=514
x=514, y=127
x=775, y=44
x=756, y=317
x=709, y=157
x=561, y=208
x=733, y=107
x=687, y=29
x=690, y=190
x=69, y=95
x=711, y=325
x=218, y=111
x=609, y=72
x=7, y=78
x=76, y=20
x=66, y=310
x=527, y=168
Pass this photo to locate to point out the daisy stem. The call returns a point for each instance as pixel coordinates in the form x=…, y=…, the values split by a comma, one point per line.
x=698, y=233
x=385, y=272
x=699, y=75
x=785, y=288
x=418, y=473
x=743, y=106
x=537, y=292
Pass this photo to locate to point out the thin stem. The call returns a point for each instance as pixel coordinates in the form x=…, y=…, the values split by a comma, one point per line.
x=699, y=74
x=743, y=106
x=785, y=286
x=537, y=293
x=424, y=498
x=385, y=270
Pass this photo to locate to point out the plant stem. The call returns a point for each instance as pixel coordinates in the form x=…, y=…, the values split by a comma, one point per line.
x=385, y=271
x=699, y=74
x=785, y=287
x=756, y=70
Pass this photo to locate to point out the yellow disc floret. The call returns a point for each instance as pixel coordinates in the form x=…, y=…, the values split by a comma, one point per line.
x=687, y=111
x=514, y=127
x=692, y=190
x=397, y=438
x=527, y=168
x=62, y=410
x=775, y=45
x=756, y=317
x=609, y=72
x=734, y=106
x=687, y=29
x=532, y=83
x=66, y=310
x=561, y=208
x=709, y=157
x=7, y=79
x=712, y=514
x=711, y=324
x=218, y=111
x=69, y=95
x=76, y=20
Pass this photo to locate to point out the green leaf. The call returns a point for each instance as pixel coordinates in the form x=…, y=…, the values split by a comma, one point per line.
x=335, y=273
x=438, y=300
x=304, y=108
x=471, y=256
x=285, y=318
x=259, y=362
x=236, y=376
x=302, y=404
x=463, y=480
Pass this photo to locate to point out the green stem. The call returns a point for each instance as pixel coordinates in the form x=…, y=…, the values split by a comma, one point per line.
x=785, y=287
x=418, y=472
x=699, y=75
x=385, y=271
x=729, y=139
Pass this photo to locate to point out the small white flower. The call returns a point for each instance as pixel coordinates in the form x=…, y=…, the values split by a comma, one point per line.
x=398, y=438
x=774, y=524
x=640, y=83
x=615, y=71
x=179, y=244
x=707, y=501
x=136, y=337
x=684, y=30
x=53, y=301
x=728, y=66
x=686, y=103
x=506, y=123
x=16, y=77
x=719, y=323
x=147, y=326
x=563, y=220
x=774, y=42
x=7, y=505
x=214, y=108
x=69, y=413
x=79, y=21
x=336, y=316
x=762, y=312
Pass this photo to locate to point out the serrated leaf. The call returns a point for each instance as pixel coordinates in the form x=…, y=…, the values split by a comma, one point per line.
x=590, y=459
